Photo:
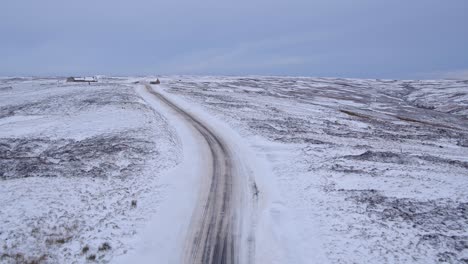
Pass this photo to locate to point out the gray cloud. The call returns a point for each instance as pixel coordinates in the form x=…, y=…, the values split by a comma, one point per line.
x=363, y=38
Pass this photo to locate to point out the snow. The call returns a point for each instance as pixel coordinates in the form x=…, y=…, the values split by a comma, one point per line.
x=276, y=239
x=348, y=170
x=367, y=173
x=110, y=120
x=164, y=235
x=100, y=149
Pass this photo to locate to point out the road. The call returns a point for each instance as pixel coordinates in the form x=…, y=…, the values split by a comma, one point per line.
x=213, y=236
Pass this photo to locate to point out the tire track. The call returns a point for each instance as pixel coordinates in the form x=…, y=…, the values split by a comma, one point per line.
x=213, y=225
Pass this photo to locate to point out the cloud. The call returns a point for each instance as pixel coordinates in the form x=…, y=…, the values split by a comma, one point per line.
x=395, y=39
x=461, y=74
x=253, y=56
x=458, y=75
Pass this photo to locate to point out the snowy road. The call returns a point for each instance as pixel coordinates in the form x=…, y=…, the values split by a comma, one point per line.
x=212, y=235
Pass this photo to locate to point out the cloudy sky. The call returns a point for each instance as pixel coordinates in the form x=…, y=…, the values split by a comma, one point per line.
x=343, y=38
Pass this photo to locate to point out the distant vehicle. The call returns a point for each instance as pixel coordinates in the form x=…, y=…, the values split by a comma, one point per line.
x=155, y=82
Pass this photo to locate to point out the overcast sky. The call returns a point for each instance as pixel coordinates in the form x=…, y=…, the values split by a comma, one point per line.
x=342, y=38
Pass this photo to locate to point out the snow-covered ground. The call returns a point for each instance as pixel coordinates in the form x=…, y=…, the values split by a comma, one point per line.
x=372, y=171
x=365, y=171
x=79, y=169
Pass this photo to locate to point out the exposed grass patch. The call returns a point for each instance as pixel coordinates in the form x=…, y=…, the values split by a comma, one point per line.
x=21, y=258
x=408, y=119
x=58, y=240
x=85, y=249
x=104, y=247
x=91, y=257
x=354, y=114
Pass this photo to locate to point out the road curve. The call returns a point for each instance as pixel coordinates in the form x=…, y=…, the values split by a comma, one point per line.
x=212, y=237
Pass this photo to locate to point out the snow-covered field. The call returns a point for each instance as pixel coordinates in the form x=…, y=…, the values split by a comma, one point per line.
x=372, y=171
x=367, y=171
x=79, y=169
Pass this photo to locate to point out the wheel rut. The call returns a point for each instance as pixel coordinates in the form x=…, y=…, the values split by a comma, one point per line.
x=213, y=228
